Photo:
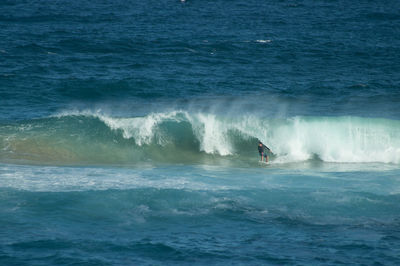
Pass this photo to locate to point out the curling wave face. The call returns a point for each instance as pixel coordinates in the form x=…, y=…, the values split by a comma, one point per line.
x=88, y=137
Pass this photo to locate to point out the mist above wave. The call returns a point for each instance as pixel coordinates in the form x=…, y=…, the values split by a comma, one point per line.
x=199, y=137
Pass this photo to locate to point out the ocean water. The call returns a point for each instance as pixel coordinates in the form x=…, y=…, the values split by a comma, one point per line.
x=128, y=132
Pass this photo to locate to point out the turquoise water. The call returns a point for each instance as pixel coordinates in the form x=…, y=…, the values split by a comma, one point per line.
x=128, y=132
x=200, y=214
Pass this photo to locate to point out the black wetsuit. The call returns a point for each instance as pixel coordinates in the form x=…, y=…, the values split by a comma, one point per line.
x=261, y=149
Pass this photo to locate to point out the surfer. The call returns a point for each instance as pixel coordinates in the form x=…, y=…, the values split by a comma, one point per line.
x=261, y=151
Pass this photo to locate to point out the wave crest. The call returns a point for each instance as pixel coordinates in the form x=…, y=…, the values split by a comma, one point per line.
x=178, y=136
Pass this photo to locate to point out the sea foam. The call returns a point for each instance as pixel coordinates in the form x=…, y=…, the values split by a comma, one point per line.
x=181, y=134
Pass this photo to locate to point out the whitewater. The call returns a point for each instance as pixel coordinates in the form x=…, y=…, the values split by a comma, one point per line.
x=94, y=137
x=186, y=186
x=128, y=132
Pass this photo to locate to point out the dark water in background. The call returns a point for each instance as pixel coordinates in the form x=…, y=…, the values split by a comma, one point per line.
x=322, y=57
x=128, y=132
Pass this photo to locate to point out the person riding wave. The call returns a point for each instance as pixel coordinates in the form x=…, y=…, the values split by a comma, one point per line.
x=261, y=151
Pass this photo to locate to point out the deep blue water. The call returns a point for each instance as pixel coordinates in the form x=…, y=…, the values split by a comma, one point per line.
x=128, y=132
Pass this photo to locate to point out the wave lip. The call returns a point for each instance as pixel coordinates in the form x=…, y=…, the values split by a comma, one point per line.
x=197, y=137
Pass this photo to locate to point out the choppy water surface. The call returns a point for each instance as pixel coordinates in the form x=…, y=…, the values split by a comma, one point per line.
x=128, y=132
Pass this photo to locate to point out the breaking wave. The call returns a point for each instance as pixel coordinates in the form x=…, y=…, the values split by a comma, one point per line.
x=198, y=137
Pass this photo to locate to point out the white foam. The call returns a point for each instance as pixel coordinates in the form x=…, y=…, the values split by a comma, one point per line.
x=346, y=139
x=141, y=129
x=52, y=178
x=263, y=41
x=212, y=133
x=332, y=139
